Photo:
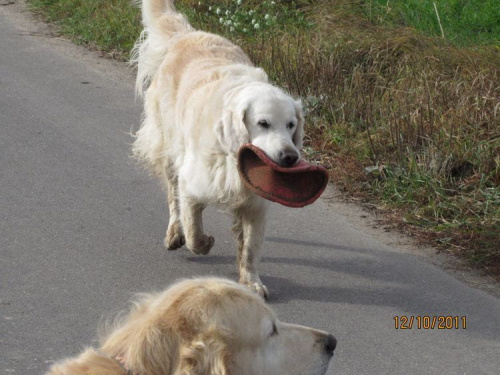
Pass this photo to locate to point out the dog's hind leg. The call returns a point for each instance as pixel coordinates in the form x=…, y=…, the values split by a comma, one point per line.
x=192, y=224
x=174, y=238
x=249, y=229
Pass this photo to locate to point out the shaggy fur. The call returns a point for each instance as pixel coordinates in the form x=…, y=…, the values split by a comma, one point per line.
x=203, y=99
x=204, y=327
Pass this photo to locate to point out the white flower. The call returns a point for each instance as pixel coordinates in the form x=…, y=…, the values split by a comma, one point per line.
x=210, y=8
x=253, y=21
x=256, y=26
x=266, y=16
x=227, y=12
x=245, y=30
x=217, y=11
x=221, y=20
x=231, y=29
x=238, y=2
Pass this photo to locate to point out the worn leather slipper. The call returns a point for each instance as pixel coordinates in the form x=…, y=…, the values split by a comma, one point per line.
x=295, y=186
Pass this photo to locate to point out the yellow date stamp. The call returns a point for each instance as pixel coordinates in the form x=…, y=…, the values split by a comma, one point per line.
x=430, y=322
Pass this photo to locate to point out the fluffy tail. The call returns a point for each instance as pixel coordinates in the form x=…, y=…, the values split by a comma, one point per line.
x=161, y=22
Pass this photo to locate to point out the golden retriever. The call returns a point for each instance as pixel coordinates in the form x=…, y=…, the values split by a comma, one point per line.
x=205, y=326
x=203, y=99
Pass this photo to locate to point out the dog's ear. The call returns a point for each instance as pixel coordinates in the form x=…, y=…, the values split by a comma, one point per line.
x=231, y=130
x=144, y=351
x=298, y=136
x=141, y=344
x=206, y=354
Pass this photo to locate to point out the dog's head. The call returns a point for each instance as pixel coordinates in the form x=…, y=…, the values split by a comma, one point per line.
x=215, y=326
x=265, y=116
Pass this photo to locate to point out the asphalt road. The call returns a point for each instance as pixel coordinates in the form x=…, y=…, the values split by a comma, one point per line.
x=82, y=228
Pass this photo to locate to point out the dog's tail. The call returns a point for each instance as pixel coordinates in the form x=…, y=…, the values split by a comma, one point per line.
x=154, y=9
x=161, y=22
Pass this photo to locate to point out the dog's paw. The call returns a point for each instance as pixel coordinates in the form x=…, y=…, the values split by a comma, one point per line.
x=175, y=237
x=174, y=242
x=203, y=246
x=258, y=288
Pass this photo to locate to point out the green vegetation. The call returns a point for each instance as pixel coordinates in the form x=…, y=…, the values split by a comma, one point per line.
x=408, y=121
x=463, y=22
x=110, y=26
x=246, y=18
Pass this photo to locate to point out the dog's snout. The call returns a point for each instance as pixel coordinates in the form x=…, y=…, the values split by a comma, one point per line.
x=330, y=344
x=288, y=158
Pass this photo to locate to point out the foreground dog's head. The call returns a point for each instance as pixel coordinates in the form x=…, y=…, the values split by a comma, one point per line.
x=265, y=116
x=206, y=326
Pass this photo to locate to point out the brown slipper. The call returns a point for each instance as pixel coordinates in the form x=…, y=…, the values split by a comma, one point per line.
x=295, y=186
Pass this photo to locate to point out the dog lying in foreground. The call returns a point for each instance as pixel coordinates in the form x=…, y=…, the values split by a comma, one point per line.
x=204, y=327
x=203, y=99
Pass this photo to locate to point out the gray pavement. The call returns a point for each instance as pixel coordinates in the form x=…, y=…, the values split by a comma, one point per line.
x=82, y=228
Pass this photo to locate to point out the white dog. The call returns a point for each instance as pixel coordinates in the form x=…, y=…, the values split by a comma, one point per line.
x=203, y=100
x=204, y=327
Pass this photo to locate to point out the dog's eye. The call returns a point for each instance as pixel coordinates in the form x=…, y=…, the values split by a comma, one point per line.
x=290, y=125
x=274, y=331
x=264, y=124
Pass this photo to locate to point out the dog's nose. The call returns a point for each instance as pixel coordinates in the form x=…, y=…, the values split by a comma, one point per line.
x=330, y=344
x=288, y=158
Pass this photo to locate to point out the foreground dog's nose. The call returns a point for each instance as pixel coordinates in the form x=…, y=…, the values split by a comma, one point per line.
x=288, y=158
x=330, y=344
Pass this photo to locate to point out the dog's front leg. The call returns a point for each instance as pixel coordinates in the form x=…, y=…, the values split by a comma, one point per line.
x=192, y=225
x=249, y=228
x=174, y=237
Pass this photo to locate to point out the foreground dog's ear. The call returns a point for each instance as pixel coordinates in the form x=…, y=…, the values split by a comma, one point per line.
x=205, y=355
x=142, y=343
x=298, y=136
x=232, y=131
x=144, y=350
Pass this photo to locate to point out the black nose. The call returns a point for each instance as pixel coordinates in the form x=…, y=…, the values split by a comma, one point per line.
x=330, y=344
x=288, y=158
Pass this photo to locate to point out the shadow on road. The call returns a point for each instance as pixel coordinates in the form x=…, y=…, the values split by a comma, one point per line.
x=380, y=278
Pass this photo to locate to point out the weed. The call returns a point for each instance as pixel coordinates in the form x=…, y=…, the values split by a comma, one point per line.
x=245, y=18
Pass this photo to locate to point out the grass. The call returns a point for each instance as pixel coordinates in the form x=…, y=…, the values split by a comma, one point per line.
x=110, y=26
x=405, y=120
x=463, y=22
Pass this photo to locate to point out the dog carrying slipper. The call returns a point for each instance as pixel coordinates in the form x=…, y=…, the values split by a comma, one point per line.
x=295, y=186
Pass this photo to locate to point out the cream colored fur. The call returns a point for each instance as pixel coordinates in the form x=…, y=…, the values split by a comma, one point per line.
x=204, y=326
x=203, y=99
